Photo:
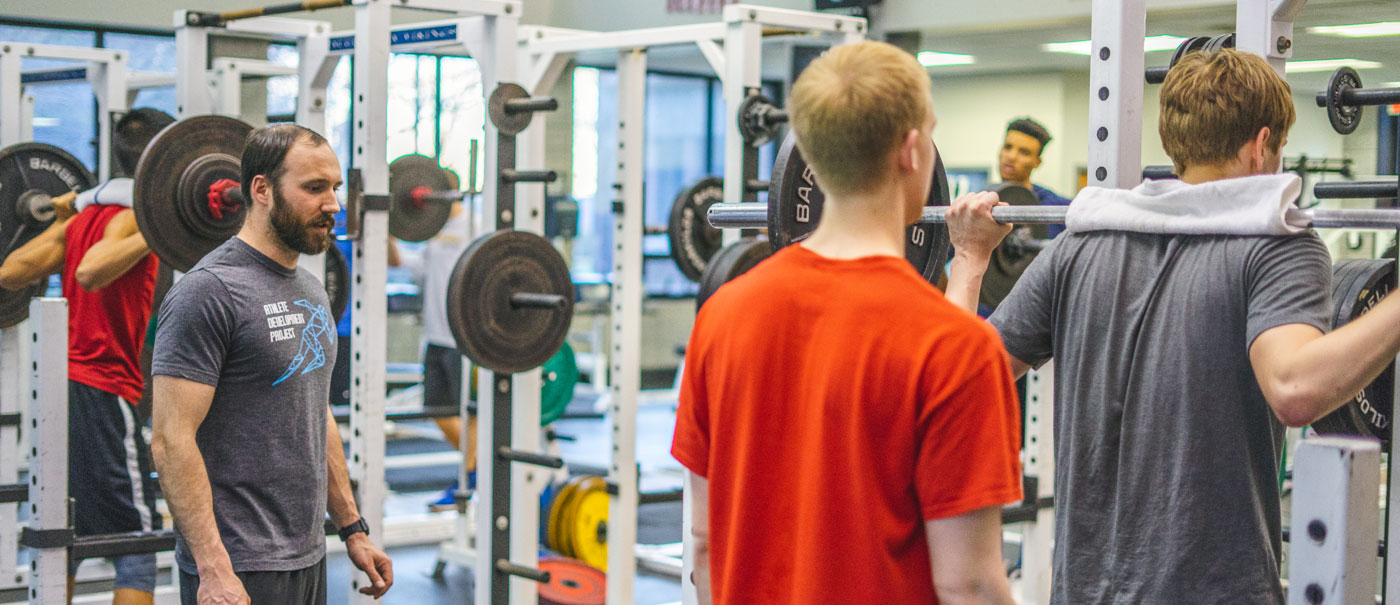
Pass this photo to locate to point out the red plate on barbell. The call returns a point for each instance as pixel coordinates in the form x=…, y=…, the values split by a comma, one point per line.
x=572, y=582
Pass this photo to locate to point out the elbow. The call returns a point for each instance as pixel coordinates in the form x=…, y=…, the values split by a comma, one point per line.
x=1297, y=406
x=973, y=589
x=11, y=278
x=87, y=278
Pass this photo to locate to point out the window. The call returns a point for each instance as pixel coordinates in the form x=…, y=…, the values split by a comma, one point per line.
x=684, y=143
x=149, y=54
x=462, y=118
x=412, y=105
x=65, y=114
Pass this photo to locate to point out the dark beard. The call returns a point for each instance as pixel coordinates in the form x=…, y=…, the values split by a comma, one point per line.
x=295, y=233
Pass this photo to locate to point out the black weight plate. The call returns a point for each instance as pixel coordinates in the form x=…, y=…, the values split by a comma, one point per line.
x=1189, y=45
x=486, y=327
x=1009, y=260
x=1344, y=118
x=731, y=262
x=508, y=123
x=693, y=241
x=172, y=187
x=795, y=205
x=408, y=220
x=28, y=170
x=337, y=281
x=1359, y=285
x=751, y=123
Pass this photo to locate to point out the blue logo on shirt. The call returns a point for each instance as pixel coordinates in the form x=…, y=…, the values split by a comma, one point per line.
x=310, y=348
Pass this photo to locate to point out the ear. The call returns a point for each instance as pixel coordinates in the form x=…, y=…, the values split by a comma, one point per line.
x=261, y=189
x=1036, y=163
x=1257, y=147
x=909, y=152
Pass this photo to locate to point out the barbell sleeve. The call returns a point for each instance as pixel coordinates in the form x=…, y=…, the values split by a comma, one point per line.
x=1156, y=75
x=1363, y=97
x=537, y=300
x=1356, y=190
x=217, y=19
x=755, y=216
x=528, y=573
x=531, y=105
x=529, y=176
x=529, y=458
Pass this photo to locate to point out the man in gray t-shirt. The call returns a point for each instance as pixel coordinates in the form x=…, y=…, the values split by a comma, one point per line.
x=249, y=457
x=1180, y=352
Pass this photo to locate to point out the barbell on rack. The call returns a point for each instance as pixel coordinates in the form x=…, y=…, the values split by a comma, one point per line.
x=32, y=177
x=1345, y=97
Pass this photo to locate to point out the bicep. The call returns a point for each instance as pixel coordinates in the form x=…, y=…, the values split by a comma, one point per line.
x=964, y=546
x=1273, y=348
x=178, y=406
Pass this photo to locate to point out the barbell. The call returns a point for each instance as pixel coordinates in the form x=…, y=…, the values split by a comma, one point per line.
x=32, y=175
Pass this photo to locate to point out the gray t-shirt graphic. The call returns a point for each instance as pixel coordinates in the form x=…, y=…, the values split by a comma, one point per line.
x=262, y=335
x=1166, y=452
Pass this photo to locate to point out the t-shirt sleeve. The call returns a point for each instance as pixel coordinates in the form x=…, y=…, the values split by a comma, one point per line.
x=969, y=437
x=1289, y=283
x=690, y=445
x=1025, y=317
x=193, y=329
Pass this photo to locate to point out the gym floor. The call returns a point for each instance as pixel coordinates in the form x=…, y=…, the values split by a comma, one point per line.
x=591, y=444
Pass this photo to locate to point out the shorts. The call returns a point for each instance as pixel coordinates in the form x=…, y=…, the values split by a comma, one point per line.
x=442, y=377
x=109, y=476
x=305, y=586
x=340, y=372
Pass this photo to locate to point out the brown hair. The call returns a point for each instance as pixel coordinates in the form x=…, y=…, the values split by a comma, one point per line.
x=852, y=106
x=1213, y=103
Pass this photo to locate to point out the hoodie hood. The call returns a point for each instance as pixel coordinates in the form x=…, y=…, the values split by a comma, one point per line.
x=1253, y=205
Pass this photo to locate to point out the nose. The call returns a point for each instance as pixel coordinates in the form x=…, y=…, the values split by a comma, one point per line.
x=331, y=203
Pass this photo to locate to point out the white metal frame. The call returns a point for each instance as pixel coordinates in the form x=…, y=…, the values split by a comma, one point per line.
x=48, y=473
x=106, y=72
x=1038, y=460
x=1335, y=520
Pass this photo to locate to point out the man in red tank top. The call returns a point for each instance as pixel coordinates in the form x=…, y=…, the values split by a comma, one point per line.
x=851, y=435
x=108, y=277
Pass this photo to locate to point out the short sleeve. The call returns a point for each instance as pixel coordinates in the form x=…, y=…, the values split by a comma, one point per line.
x=690, y=445
x=1289, y=283
x=969, y=441
x=194, y=327
x=1025, y=317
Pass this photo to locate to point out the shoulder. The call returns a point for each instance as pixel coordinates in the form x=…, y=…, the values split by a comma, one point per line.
x=1047, y=196
x=202, y=282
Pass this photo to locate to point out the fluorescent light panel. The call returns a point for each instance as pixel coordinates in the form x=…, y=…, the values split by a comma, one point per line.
x=1085, y=47
x=1359, y=30
x=929, y=58
x=1304, y=67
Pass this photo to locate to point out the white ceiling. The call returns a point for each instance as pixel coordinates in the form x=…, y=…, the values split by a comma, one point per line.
x=1017, y=49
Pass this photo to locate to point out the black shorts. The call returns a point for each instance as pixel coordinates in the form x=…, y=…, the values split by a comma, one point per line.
x=340, y=372
x=305, y=586
x=442, y=377
x=109, y=465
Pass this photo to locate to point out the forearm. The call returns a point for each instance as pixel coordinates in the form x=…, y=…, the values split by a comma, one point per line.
x=108, y=260
x=340, y=500
x=1328, y=371
x=987, y=588
x=701, y=573
x=965, y=280
x=184, y=482
x=34, y=261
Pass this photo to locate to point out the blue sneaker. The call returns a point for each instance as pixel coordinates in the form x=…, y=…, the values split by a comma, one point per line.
x=448, y=500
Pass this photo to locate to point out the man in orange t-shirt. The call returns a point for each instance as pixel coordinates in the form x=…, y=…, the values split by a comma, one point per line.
x=850, y=434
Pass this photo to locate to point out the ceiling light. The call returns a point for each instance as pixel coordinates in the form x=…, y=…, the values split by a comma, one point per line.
x=929, y=58
x=1359, y=30
x=1085, y=47
x=1304, y=67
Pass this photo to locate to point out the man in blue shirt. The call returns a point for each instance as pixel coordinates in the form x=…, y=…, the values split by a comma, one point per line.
x=1020, y=155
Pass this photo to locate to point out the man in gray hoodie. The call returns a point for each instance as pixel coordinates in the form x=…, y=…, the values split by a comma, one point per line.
x=1188, y=321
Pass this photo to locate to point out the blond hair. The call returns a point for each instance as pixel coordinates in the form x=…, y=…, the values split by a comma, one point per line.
x=1214, y=103
x=852, y=106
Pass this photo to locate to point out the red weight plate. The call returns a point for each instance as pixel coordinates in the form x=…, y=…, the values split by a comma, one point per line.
x=572, y=582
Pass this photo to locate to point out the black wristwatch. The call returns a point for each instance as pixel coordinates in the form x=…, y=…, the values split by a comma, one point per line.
x=359, y=526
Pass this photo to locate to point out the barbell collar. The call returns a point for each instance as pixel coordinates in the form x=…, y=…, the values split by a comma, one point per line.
x=529, y=573
x=776, y=116
x=529, y=176
x=505, y=453
x=755, y=216
x=537, y=300
x=423, y=195
x=531, y=105
x=1356, y=190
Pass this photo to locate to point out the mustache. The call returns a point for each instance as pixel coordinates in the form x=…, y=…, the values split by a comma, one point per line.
x=326, y=220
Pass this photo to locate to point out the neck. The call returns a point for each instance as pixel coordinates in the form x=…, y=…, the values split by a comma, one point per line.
x=855, y=226
x=1026, y=182
x=1195, y=175
x=258, y=234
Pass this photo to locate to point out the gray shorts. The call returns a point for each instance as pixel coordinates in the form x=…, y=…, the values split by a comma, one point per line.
x=305, y=586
